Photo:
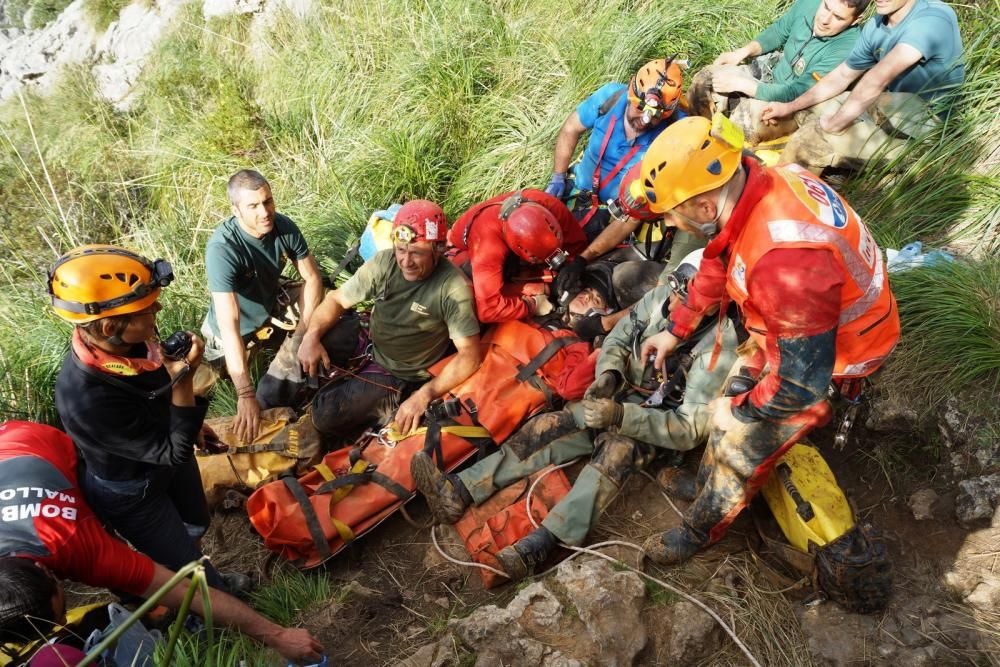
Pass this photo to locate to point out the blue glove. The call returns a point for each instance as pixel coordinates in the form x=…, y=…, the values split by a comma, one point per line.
x=556, y=186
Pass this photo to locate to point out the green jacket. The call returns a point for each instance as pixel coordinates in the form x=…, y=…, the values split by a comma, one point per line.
x=803, y=55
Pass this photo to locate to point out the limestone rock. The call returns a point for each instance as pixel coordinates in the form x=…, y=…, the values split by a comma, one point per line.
x=977, y=498
x=892, y=414
x=442, y=653
x=496, y=637
x=922, y=504
x=609, y=603
x=217, y=8
x=835, y=637
x=694, y=635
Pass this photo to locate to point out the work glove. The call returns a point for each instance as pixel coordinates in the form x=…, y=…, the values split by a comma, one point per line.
x=567, y=283
x=589, y=327
x=603, y=387
x=602, y=413
x=557, y=185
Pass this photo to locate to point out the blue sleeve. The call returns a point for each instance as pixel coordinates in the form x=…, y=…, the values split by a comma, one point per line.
x=589, y=109
x=862, y=56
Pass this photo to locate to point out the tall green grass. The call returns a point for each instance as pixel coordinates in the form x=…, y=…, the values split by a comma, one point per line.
x=364, y=104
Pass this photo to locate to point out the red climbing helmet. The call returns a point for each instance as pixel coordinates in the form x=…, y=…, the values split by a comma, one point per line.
x=419, y=220
x=532, y=232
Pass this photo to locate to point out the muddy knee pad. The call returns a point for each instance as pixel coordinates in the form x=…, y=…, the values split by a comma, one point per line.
x=343, y=340
x=616, y=456
x=633, y=279
x=809, y=147
x=541, y=430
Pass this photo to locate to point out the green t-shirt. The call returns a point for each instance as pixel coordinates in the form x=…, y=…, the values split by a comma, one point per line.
x=250, y=267
x=412, y=323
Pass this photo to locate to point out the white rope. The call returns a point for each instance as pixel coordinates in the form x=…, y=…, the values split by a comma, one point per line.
x=463, y=562
x=592, y=550
x=663, y=493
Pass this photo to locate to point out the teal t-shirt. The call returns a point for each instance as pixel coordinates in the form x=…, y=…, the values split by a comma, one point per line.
x=931, y=27
x=413, y=323
x=250, y=267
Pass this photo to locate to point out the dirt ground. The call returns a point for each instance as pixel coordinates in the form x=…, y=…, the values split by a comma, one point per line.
x=398, y=593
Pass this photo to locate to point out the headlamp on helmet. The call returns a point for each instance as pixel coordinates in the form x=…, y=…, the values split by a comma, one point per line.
x=96, y=281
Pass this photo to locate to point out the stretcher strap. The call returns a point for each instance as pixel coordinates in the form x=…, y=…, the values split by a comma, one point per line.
x=309, y=515
x=256, y=449
x=543, y=357
x=369, y=475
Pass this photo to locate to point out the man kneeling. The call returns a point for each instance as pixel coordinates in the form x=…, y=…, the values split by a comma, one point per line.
x=423, y=306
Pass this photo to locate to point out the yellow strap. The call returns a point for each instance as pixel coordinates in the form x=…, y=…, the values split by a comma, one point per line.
x=324, y=470
x=346, y=534
x=459, y=430
x=360, y=466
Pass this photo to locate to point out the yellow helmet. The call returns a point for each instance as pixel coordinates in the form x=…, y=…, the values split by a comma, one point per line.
x=97, y=281
x=691, y=157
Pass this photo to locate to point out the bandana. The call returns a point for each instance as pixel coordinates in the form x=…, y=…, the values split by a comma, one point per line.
x=113, y=364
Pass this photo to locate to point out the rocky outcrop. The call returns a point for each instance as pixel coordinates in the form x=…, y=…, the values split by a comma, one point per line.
x=978, y=498
x=116, y=56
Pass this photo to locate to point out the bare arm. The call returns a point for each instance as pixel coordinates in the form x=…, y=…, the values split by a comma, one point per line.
x=616, y=232
x=465, y=362
x=312, y=292
x=292, y=643
x=227, y=313
x=569, y=136
x=871, y=85
x=312, y=355
x=748, y=50
x=829, y=86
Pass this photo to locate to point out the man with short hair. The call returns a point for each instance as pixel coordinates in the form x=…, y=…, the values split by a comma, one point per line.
x=48, y=533
x=907, y=63
x=790, y=56
x=423, y=306
x=244, y=259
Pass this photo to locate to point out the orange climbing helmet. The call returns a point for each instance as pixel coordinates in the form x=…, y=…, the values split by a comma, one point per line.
x=97, y=281
x=655, y=90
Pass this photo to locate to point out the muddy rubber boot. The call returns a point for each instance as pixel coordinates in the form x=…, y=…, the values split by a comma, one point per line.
x=672, y=547
x=678, y=483
x=520, y=559
x=446, y=495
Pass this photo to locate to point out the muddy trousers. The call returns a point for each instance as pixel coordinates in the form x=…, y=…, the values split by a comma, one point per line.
x=734, y=467
x=614, y=458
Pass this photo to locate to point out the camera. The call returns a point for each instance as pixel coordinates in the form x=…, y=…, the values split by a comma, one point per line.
x=176, y=346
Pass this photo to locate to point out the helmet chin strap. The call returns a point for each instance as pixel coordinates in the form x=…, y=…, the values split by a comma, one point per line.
x=711, y=228
x=116, y=338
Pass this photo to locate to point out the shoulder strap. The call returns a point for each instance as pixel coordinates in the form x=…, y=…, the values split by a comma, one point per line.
x=125, y=386
x=544, y=355
x=609, y=103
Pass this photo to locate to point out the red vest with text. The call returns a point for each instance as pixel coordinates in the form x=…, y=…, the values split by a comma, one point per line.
x=802, y=211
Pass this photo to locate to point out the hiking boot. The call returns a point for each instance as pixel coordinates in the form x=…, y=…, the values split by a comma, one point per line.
x=672, y=547
x=678, y=483
x=237, y=584
x=521, y=558
x=445, y=494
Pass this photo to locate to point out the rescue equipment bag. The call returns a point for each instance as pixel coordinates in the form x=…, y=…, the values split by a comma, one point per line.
x=503, y=519
x=283, y=444
x=849, y=560
x=309, y=519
